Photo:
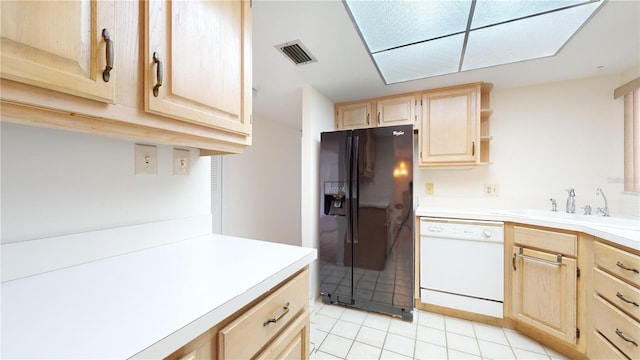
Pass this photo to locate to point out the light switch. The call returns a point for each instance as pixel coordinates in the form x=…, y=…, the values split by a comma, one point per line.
x=146, y=160
x=181, y=159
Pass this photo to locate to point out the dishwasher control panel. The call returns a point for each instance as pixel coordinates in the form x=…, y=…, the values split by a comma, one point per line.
x=462, y=229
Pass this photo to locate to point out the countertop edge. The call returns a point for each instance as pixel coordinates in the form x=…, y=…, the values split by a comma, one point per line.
x=182, y=336
x=626, y=238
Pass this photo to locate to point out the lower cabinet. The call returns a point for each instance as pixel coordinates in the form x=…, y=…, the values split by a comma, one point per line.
x=615, y=308
x=544, y=281
x=276, y=326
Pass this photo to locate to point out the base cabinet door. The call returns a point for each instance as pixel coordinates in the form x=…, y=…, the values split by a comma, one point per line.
x=59, y=45
x=198, y=62
x=544, y=292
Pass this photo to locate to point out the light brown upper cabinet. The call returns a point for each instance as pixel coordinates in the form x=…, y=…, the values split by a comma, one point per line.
x=450, y=127
x=198, y=62
x=54, y=57
x=60, y=45
x=396, y=111
x=356, y=115
x=387, y=111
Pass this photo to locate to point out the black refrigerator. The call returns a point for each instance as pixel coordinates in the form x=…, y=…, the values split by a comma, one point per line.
x=366, y=237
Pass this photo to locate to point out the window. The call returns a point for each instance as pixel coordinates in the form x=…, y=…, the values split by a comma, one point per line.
x=631, y=93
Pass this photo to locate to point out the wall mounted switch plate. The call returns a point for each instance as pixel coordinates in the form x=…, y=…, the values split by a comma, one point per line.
x=181, y=162
x=146, y=160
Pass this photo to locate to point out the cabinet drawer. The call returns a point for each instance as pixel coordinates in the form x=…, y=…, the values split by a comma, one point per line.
x=601, y=349
x=250, y=332
x=556, y=242
x=615, y=261
x=617, y=291
x=614, y=325
x=292, y=343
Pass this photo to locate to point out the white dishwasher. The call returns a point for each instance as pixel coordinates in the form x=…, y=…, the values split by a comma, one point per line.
x=462, y=264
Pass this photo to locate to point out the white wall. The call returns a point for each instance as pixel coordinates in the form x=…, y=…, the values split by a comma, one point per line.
x=261, y=187
x=546, y=139
x=317, y=116
x=57, y=182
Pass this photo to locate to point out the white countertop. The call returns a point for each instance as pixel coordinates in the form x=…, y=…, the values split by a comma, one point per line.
x=144, y=304
x=621, y=236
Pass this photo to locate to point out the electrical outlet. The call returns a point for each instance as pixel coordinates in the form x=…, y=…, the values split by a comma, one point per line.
x=146, y=160
x=491, y=190
x=181, y=159
x=429, y=187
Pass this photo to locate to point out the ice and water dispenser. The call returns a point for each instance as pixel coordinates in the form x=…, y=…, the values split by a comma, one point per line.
x=334, y=198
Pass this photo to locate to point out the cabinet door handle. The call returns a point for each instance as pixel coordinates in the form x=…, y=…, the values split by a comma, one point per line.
x=159, y=72
x=106, y=74
x=621, y=334
x=285, y=310
x=621, y=265
x=368, y=116
x=378, y=118
x=473, y=148
x=621, y=297
x=521, y=254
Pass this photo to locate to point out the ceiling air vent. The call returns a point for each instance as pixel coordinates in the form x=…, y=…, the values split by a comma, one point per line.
x=296, y=52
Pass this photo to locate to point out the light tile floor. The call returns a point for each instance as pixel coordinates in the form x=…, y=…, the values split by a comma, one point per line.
x=339, y=332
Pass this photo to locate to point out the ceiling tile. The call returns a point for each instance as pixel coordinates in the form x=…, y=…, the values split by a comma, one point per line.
x=431, y=58
x=525, y=39
x=388, y=24
x=489, y=12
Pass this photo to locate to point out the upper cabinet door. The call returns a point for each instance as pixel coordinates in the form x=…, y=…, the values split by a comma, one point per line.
x=450, y=123
x=59, y=45
x=354, y=116
x=198, y=62
x=396, y=111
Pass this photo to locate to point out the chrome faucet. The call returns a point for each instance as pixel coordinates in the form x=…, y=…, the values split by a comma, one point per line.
x=605, y=211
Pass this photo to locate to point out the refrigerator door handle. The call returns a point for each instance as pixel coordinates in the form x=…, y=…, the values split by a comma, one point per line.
x=355, y=190
x=348, y=198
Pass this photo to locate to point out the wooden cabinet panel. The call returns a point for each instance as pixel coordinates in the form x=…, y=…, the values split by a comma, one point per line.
x=544, y=294
x=58, y=45
x=245, y=336
x=292, y=343
x=396, y=111
x=600, y=349
x=353, y=116
x=204, y=51
x=618, y=328
x=561, y=243
x=450, y=127
x=617, y=292
x=618, y=262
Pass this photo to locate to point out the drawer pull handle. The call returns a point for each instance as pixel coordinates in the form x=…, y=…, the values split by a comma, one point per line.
x=285, y=310
x=620, y=333
x=621, y=297
x=621, y=265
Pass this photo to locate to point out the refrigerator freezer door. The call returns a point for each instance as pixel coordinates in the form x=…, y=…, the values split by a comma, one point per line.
x=336, y=276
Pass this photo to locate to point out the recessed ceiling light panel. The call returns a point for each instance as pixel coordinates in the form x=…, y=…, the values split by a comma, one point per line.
x=410, y=40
